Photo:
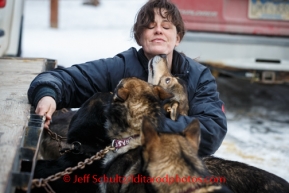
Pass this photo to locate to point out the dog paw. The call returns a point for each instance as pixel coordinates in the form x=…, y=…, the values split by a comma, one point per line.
x=174, y=111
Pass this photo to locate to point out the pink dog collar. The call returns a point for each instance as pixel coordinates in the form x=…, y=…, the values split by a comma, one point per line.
x=119, y=143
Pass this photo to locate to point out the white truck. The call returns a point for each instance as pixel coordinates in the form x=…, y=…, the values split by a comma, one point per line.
x=11, y=25
x=241, y=38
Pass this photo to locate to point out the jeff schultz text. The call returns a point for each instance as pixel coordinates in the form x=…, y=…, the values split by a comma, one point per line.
x=88, y=178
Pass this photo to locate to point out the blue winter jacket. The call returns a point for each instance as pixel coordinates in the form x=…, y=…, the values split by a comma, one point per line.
x=72, y=86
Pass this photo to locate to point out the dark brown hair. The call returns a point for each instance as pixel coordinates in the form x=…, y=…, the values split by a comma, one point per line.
x=146, y=15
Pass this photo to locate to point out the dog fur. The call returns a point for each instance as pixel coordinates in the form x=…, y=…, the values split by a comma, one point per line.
x=241, y=177
x=159, y=75
x=105, y=117
x=49, y=148
x=166, y=154
x=87, y=128
x=162, y=154
x=100, y=120
x=133, y=98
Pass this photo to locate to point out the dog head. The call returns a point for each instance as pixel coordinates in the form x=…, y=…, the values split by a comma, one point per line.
x=157, y=68
x=134, y=89
x=167, y=146
x=178, y=105
x=159, y=75
x=170, y=155
x=132, y=99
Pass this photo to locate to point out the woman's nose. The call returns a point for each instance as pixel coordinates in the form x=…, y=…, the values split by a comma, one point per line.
x=158, y=29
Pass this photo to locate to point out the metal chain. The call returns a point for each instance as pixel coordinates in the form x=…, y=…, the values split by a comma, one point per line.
x=44, y=182
x=58, y=138
x=55, y=136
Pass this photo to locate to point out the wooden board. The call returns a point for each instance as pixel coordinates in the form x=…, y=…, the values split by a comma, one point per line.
x=16, y=75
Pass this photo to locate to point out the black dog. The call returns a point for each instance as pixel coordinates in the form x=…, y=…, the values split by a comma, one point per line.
x=87, y=133
x=241, y=177
x=58, y=129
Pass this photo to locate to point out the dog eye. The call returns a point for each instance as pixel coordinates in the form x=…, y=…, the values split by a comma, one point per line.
x=168, y=80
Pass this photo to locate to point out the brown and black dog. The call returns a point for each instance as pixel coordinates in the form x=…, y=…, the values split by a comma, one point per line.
x=162, y=163
x=159, y=75
x=174, y=158
x=169, y=162
x=133, y=98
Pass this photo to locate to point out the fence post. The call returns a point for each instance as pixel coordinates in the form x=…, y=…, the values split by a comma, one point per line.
x=54, y=13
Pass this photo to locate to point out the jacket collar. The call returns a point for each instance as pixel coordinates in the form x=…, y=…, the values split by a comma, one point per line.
x=179, y=67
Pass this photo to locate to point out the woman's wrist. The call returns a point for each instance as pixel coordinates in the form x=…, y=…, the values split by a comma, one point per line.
x=42, y=92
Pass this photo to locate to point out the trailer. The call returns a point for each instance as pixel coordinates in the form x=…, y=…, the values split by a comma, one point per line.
x=20, y=128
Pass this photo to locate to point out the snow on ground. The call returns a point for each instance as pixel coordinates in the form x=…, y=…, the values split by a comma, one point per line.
x=85, y=32
x=258, y=124
x=256, y=135
x=260, y=143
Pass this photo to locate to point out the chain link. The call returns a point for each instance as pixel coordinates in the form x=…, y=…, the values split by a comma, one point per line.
x=57, y=138
x=44, y=182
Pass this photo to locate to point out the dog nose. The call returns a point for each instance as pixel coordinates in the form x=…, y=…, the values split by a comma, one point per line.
x=163, y=55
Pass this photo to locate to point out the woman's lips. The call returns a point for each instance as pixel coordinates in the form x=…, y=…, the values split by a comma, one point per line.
x=158, y=40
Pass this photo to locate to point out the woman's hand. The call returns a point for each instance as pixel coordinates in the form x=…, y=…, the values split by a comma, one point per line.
x=46, y=107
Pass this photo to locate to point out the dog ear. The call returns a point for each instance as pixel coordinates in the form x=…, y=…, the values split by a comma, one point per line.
x=149, y=135
x=121, y=94
x=192, y=133
x=162, y=93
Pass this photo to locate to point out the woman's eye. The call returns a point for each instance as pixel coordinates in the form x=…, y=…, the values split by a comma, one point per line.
x=151, y=26
x=166, y=27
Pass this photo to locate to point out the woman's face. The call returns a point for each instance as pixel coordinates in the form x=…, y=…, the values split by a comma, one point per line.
x=160, y=37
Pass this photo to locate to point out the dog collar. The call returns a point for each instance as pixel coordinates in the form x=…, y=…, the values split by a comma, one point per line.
x=119, y=143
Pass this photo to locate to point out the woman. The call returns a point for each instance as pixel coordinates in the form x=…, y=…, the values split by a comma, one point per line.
x=158, y=29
